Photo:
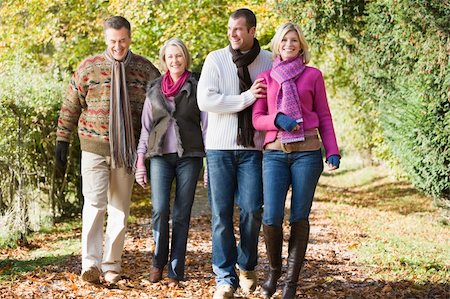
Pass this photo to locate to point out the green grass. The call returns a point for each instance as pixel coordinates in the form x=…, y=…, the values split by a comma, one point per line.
x=62, y=227
x=390, y=226
x=55, y=253
x=52, y=245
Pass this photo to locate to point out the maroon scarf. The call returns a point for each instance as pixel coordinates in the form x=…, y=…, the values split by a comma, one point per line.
x=170, y=88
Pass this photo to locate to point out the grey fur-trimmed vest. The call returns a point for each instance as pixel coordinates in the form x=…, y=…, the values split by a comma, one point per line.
x=186, y=116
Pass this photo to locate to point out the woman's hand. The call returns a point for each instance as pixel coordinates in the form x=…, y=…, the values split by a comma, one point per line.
x=141, y=172
x=141, y=177
x=333, y=162
x=286, y=123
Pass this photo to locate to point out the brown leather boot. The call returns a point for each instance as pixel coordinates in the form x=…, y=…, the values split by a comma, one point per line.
x=273, y=238
x=298, y=241
x=155, y=274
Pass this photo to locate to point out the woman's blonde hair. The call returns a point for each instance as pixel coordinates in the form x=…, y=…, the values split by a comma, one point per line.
x=174, y=41
x=281, y=32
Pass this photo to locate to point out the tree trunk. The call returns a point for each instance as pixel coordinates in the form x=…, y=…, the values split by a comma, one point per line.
x=23, y=205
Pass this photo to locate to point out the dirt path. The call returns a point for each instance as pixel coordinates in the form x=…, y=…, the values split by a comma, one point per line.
x=330, y=270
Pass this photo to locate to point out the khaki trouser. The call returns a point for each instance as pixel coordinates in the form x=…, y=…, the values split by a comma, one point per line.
x=104, y=189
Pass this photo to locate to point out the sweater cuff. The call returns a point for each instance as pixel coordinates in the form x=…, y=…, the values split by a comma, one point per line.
x=249, y=98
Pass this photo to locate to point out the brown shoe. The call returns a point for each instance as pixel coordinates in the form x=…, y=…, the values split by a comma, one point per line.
x=247, y=280
x=173, y=283
x=155, y=274
x=91, y=274
x=112, y=277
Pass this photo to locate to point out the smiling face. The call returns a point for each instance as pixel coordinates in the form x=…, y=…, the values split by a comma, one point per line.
x=118, y=42
x=240, y=37
x=175, y=61
x=290, y=45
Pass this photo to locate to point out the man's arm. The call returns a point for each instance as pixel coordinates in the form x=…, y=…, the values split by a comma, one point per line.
x=211, y=99
x=67, y=122
x=70, y=110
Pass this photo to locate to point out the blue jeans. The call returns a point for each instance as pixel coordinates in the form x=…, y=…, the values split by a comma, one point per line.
x=280, y=170
x=163, y=170
x=234, y=176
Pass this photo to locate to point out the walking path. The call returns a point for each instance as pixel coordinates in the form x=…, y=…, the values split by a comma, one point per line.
x=330, y=271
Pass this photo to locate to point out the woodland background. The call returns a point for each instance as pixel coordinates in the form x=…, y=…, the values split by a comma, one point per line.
x=385, y=62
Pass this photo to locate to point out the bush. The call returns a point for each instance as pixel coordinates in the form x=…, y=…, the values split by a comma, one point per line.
x=30, y=101
x=396, y=73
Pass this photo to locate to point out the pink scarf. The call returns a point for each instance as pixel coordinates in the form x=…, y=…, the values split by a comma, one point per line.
x=170, y=88
x=285, y=72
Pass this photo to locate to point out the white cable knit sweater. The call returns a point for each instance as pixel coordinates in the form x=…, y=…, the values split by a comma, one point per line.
x=218, y=94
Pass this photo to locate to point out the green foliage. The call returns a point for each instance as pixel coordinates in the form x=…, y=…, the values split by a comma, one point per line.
x=191, y=21
x=43, y=41
x=28, y=119
x=61, y=33
x=57, y=33
x=391, y=76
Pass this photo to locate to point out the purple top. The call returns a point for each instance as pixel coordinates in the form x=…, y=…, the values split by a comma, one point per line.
x=314, y=104
x=170, y=140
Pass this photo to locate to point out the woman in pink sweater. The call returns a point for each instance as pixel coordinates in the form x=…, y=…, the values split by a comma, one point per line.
x=293, y=113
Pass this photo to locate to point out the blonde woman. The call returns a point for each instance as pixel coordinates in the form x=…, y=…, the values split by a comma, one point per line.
x=294, y=110
x=172, y=137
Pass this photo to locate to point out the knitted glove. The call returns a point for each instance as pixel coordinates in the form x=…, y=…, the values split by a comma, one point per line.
x=61, y=152
x=285, y=122
x=141, y=172
x=333, y=161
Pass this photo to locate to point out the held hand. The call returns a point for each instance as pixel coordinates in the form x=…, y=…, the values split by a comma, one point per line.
x=286, y=123
x=141, y=171
x=333, y=162
x=205, y=177
x=258, y=88
x=61, y=152
x=141, y=177
x=140, y=162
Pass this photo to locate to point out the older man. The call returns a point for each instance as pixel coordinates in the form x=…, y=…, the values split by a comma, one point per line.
x=105, y=99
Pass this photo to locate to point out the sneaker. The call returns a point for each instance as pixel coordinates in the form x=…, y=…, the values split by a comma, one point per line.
x=247, y=280
x=224, y=291
x=91, y=274
x=112, y=277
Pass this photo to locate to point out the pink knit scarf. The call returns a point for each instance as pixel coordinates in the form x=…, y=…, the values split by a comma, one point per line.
x=285, y=72
x=170, y=88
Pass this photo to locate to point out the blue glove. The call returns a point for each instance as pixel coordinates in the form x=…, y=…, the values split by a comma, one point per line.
x=334, y=160
x=285, y=122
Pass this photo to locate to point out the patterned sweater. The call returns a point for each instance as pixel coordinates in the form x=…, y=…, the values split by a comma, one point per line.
x=87, y=101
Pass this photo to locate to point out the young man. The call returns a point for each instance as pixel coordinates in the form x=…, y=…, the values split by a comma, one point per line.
x=104, y=99
x=226, y=92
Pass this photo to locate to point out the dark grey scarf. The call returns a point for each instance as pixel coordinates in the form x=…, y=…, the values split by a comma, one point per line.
x=246, y=131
